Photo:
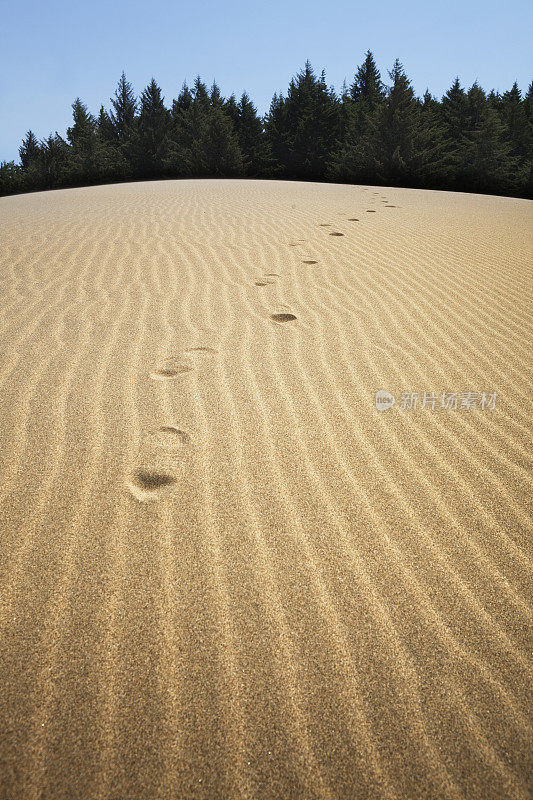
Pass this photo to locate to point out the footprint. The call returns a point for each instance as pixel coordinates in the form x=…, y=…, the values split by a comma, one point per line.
x=144, y=483
x=324, y=224
x=310, y=262
x=371, y=211
x=169, y=437
x=263, y=283
x=148, y=480
x=170, y=368
x=283, y=317
x=389, y=206
x=353, y=219
x=336, y=233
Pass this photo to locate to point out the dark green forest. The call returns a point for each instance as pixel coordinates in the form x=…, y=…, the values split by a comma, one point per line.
x=372, y=132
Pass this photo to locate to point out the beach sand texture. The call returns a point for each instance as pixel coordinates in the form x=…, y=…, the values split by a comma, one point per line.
x=223, y=572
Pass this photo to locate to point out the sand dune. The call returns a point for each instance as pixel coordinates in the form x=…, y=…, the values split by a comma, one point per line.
x=224, y=573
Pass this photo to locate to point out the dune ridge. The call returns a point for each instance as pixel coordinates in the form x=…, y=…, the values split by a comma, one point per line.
x=225, y=573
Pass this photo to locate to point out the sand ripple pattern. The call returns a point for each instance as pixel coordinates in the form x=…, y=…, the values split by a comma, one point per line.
x=224, y=573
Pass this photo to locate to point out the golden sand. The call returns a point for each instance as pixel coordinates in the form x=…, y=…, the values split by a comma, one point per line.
x=224, y=573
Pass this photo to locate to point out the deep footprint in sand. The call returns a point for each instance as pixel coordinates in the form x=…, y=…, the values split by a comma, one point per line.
x=371, y=211
x=170, y=368
x=149, y=481
x=283, y=317
x=353, y=219
x=336, y=233
x=145, y=483
x=309, y=261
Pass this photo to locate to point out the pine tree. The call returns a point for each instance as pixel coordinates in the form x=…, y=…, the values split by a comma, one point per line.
x=216, y=99
x=308, y=127
x=104, y=127
x=125, y=106
x=367, y=87
x=123, y=120
x=354, y=159
x=454, y=111
x=400, y=129
x=485, y=163
x=257, y=160
x=200, y=94
x=275, y=123
x=203, y=141
x=153, y=132
x=183, y=102
x=218, y=152
x=527, y=178
x=86, y=156
x=494, y=100
x=188, y=120
x=29, y=151
x=528, y=103
x=113, y=162
x=11, y=178
x=513, y=114
x=390, y=144
x=454, y=115
x=357, y=104
x=435, y=167
x=53, y=166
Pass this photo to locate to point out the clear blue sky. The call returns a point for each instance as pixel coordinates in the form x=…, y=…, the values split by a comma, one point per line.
x=53, y=50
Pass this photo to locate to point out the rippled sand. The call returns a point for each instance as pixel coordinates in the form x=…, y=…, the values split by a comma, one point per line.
x=223, y=572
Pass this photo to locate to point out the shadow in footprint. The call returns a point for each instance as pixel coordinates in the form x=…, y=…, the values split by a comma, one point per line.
x=171, y=368
x=324, y=224
x=336, y=233
x=149, y=481
x=309, y=262
x=183, y=436
x=389, y=206
x=283, y=317
x=262, y=283
x=353, y=219
x=371, y=211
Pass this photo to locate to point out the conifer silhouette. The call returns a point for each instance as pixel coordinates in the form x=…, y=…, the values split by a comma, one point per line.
x=369, y=133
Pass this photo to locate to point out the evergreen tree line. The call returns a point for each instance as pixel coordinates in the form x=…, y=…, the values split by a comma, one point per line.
x=369, y=133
